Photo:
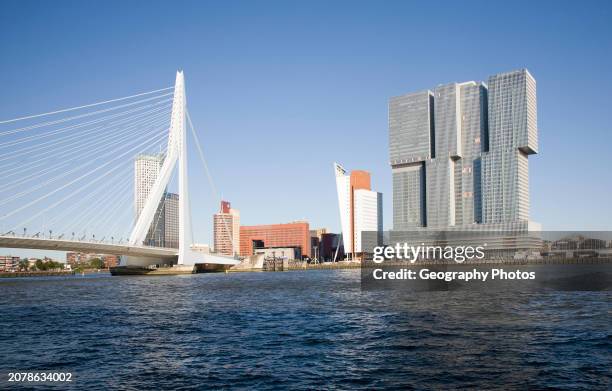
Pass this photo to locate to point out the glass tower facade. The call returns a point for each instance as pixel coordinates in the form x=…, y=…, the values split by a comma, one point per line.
x=164, y=229
x=458, y=154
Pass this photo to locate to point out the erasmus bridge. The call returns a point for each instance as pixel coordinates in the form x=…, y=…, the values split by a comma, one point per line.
x=67, y=178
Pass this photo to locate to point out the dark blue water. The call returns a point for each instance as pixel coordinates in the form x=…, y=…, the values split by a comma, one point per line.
x=300, y=330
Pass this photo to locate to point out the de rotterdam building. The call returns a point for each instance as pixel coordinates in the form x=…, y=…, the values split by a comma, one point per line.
x=459, y=155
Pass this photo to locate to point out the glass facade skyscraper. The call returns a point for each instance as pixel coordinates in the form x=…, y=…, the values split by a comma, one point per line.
x=459, y=154
x=164, y=229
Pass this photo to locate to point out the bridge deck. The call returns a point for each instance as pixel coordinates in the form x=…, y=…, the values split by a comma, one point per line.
x=86, y=247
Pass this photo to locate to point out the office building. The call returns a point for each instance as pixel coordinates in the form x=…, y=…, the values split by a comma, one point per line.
x=459, y=155
x=360, y=211
x=316, y=233
x=295, y=234
x=146, y=170
x=315, y=241
x=171, y=220
x=164, y=230
x=226, y=228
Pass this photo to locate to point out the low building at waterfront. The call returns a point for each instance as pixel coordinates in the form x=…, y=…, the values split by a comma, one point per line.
x=76, y=259
x=201, y=248
x=110, y=260
x=315, y=241
x=295, y=234
x=280, y=252
x=9, y=263
x=330, y=248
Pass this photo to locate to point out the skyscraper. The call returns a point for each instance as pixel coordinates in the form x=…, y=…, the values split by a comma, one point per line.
x=146, y=169
x=164, y=230
x=171, y=220
x=513, y=135
x=226, y=227
x=458, y=154
x=360, y=211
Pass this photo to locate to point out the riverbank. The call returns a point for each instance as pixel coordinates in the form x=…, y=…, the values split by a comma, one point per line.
x=289, y=265
x=279, y=265
x=37, y=274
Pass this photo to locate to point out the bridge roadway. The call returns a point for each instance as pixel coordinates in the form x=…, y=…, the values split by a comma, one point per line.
x=87, y=247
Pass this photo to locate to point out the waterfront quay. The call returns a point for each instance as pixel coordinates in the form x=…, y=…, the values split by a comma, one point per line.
x=280, y=265
x=288, y=265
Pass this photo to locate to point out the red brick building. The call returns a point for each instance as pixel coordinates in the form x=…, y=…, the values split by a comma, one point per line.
x=296, y=234
x=111, y=260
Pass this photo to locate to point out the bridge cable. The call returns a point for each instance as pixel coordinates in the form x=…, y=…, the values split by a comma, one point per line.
x=68, y=184
x=109, y=142
x=65, y=174
x=209, y=176
x=54, y=142
x=95, y=180
x=71, y=127
x=84, y=106
x=67, y=151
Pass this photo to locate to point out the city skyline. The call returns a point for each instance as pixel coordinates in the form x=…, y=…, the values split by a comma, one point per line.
x=321, y=131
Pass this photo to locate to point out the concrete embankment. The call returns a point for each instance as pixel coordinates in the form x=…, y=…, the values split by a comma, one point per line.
x=160, y=271
x=286, y=265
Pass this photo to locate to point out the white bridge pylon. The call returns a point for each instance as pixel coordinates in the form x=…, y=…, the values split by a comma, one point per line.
x=176, y=152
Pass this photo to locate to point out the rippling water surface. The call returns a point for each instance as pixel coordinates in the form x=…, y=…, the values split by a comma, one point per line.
x=306, y=330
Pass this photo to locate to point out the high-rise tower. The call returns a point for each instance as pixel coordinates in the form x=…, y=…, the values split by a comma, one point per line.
x=164, y=229
x=459, y=154
x=360, y=211
x=226, y=227
x=146, y=169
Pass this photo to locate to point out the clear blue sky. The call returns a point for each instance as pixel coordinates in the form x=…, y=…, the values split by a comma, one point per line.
x=280, y=90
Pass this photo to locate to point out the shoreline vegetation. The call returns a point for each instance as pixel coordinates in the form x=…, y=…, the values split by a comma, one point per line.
x=48, y=267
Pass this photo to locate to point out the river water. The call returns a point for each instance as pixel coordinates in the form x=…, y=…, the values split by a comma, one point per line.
x=299, y=330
